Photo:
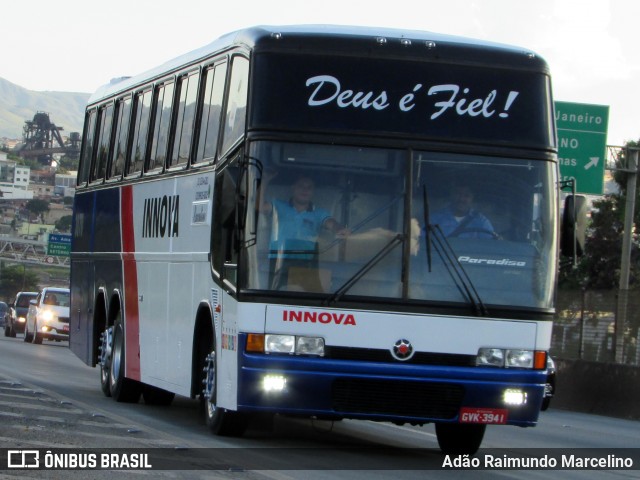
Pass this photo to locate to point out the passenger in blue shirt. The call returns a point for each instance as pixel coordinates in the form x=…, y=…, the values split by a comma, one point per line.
x=460, y=220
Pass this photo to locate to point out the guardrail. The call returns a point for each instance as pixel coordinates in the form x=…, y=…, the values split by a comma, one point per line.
x=18, y=250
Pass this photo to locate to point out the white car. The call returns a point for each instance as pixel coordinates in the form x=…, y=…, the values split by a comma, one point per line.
x=48, y=316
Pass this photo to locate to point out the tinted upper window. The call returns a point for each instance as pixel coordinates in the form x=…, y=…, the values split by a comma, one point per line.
x=118, y=157
x=87, y=146
x=161, y=127
x=141, y=128
x=214, y=78
x=185, y=116
x=235, y=117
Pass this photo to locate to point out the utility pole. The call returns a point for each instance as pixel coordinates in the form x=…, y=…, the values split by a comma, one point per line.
x=631, y=154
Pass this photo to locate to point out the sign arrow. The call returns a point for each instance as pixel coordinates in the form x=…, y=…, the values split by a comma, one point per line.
x=593, y=163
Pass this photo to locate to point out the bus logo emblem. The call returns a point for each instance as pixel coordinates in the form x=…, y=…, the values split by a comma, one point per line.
x=402, y=350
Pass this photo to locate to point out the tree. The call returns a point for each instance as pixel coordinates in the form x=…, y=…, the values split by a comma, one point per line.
x=600, y=265
x=64, y=224
x=16, y=278
x=37, y=207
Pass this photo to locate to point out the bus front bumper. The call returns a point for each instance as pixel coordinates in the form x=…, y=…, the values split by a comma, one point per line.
x=396, y=392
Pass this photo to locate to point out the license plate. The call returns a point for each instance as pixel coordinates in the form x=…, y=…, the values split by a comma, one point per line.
x=496, y=416
x=65, y=328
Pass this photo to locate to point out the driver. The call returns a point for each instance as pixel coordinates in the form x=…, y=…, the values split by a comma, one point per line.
x=460, y=219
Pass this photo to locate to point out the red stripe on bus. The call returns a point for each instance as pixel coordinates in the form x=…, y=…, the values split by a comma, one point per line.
x=132, y=318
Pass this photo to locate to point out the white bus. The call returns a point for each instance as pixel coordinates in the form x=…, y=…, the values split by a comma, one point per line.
x=327, y=222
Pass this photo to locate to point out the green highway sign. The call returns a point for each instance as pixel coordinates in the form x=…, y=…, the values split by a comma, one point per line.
x=59, y=245
x=582, y=144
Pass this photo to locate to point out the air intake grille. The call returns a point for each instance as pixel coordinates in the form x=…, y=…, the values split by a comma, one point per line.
x=396, y=397
x=420, y=358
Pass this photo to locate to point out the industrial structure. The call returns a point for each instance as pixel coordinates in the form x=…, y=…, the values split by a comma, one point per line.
x=41, y=139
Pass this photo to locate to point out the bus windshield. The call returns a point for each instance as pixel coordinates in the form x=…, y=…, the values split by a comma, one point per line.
x=349, y=222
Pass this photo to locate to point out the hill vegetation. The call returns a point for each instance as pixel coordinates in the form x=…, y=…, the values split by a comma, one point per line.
x=17, y=105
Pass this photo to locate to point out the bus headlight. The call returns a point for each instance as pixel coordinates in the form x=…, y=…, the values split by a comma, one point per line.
x=310, y=346
x=279, y=343
x=490, y=357
x=286, y=344
x=511, y=358
x=519, y=359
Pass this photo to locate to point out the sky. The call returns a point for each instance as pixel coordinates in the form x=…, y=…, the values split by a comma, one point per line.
x=591, y=46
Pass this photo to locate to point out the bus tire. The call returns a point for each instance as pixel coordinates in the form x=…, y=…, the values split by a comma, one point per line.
x=220, y=421
x=104, y=359
x=122, y=389
x=157, y=396
x=459, y=439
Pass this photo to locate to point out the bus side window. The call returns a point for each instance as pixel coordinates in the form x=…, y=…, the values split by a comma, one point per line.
x=161, y=127
x=118, y=155
x=188, y=95
x=142, y=107
x=105, y=119
x=212, y=97
x=236, y=114
x=87, y=146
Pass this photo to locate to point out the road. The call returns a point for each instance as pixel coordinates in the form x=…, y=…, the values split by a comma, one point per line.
x=50, y=399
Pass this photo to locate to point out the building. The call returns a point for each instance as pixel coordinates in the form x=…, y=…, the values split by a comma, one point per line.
x=65, y=184
x=14, y=180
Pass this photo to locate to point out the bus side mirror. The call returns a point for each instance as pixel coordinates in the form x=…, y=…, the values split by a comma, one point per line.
x=574, y=226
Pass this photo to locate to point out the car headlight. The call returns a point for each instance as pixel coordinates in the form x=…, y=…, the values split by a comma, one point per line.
x=47, y=315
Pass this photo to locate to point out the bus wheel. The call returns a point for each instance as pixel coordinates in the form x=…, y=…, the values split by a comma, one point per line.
x=219, y=420
x=157, y=396
x=105, y=348
x=122, y=389
x=459, y=439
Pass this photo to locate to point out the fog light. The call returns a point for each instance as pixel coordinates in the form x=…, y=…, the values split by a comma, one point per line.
x=45, y=329
x=274, y=383
x=514, y=397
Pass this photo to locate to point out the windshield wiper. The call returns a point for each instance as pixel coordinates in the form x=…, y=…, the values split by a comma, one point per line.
x=362, y=223
x=373, y=261
x=448, y=256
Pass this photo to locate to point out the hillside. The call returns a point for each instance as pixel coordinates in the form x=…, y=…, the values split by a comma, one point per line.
x=17, y=104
